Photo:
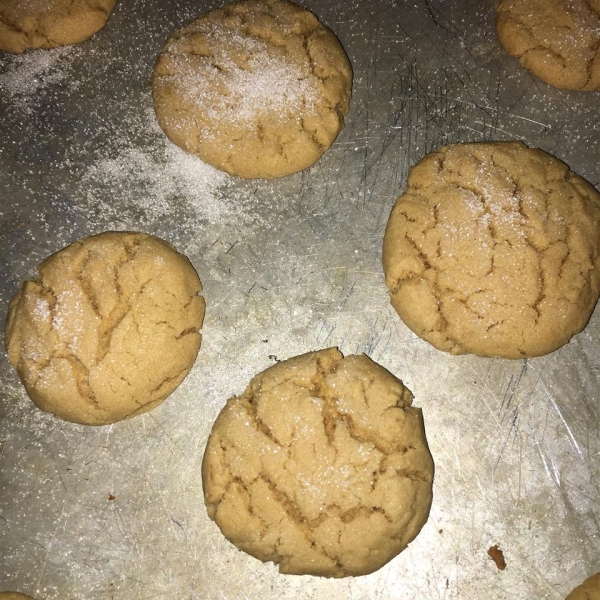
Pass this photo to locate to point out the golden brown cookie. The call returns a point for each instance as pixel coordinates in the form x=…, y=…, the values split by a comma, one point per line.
x=109, y=328
x=28, y=24
x=557, y=40
x=14, y=596
x=258, y=88
x=588, y=590
x=493, y=249
x=320, y=466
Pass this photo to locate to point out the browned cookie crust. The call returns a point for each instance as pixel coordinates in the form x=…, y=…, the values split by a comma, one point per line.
x=258, y=88
x=28, y=24
x=588, y=590
x=109, y=328
x=320, y=466
x=557, y=40
x=494, y=250
x=14, y=596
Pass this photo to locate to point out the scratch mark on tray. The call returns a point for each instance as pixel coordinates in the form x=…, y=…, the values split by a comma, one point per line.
x=428, y=5
x=363, y=176
x=231, y=247
x=496, y=128
x=177, y=523
x=556, y=408
x=508, y=114
x=511, y=389
x=402, y=28
x=550, y=473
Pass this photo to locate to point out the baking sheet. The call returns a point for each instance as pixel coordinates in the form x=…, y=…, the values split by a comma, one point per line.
x=288, y=266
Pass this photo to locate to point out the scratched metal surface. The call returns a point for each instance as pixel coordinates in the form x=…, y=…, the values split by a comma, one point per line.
x=295, y=268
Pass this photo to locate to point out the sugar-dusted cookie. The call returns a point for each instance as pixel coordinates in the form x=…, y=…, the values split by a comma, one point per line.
x=258, y=88
x=493, y=249
x=109, y=328
x=588, y=590
x=320, y=466
x=557, y=40
x=28, y=24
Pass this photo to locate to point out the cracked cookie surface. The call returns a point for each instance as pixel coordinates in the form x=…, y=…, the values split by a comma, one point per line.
x=109, y=328
x=258, y=88
x=47, y=24
x=557, y=40
x=320, y=466
x=588, y=590
x=493, y=249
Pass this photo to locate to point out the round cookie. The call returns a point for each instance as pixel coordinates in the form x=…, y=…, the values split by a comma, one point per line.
x=557, y=40
x=109, y=328
x=320, y=466
x=493, y=249
x=588, y=590
x=28, y=24
x=258, y=88
x=14, y=596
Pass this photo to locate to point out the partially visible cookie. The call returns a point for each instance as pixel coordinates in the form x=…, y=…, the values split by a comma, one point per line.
x=557, y=40
x=320, y=466
x=109, y=328
x=28, y=24
x=494, y=249
x=14, y=596
x=588, y=590
x=258, y=88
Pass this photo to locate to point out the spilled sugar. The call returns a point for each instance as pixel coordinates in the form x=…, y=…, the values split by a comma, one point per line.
x=503, y=207
x=29, y=73
x=68, y=314
x=124, y=183
x=135, y=184
x=42, y=309
x=161, y=174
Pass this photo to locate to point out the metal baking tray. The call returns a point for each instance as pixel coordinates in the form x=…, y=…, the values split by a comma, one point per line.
x=288, y=266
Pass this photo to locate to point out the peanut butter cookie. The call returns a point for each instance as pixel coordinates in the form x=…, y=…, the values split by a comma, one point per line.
x=557, y=40
x=493, y=249
x=258, y=88
x=28, y=24
x=109, y=328
x=320, y=466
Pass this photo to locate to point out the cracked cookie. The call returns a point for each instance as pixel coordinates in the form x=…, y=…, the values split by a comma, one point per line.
x=320, y=466
x=50, y=23
x=109, y=328
x=557, y=40
x=493, y=249
x=588, y=590
x=258, y=88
